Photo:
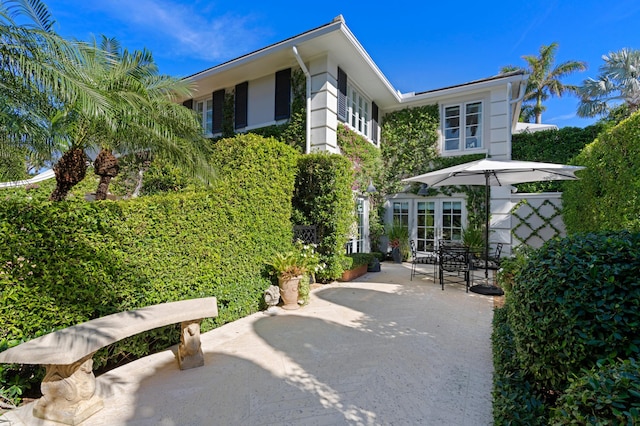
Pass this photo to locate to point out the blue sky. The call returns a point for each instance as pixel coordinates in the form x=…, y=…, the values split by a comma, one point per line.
x=418, y=45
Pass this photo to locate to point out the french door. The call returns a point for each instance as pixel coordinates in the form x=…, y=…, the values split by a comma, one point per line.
x=438, y=220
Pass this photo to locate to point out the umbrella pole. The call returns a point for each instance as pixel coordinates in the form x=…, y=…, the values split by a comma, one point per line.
x=486, y=228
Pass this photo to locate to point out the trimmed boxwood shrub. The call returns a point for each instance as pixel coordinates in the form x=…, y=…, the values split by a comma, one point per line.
x=575, y=302
x=608, y=394
x=67, y=262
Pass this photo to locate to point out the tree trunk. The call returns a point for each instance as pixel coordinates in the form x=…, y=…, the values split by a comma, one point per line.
x=106, y=166
x=69, y=170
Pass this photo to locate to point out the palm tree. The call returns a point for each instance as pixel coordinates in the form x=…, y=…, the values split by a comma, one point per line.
x=143, y=116
x=619, y=80
x=38, y=69
x=544, y=78
x=59, y=98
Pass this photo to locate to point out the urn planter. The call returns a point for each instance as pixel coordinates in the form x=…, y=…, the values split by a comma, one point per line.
x=289, y=292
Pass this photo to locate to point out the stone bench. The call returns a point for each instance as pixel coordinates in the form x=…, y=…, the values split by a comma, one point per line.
x=68, y=388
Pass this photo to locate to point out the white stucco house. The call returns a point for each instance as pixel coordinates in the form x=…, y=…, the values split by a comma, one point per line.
x=344, y=85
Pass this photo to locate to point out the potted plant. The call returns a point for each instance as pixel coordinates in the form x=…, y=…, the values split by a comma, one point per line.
x=398, y=235
x=290, y=267
x=473, y=237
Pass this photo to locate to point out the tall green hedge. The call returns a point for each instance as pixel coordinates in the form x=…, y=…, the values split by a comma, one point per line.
x=65, y=263
x=552, y=146
x=323, y=197
x=607, y=196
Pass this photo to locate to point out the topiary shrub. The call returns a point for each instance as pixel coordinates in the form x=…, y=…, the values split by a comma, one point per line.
x=576, y=301
x=608, y=394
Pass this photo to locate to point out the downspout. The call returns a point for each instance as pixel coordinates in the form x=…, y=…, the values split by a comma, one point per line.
x=510, y=102
x=308, y=112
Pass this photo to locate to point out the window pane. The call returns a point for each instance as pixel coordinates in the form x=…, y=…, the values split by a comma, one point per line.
x=452, y=111
x=452, y=145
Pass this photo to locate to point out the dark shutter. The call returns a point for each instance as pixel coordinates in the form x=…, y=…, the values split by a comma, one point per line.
x=342, y=95
x=242, y=98
x=283, y=94
x=218, y=111
x=374, y=122
x=188, y=103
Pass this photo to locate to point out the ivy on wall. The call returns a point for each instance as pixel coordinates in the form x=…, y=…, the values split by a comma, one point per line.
x=409, y=143
x=367, y=165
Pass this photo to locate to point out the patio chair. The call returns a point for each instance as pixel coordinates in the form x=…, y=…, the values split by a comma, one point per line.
x=454, y=260
x=494, y=259
x=422, y=258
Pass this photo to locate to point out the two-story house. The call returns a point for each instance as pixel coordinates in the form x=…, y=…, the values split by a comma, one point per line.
x=344, y=85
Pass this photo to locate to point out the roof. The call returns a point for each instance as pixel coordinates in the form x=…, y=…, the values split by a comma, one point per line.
x=335, y=39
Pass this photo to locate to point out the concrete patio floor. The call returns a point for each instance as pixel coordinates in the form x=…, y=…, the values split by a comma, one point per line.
x=380, y=350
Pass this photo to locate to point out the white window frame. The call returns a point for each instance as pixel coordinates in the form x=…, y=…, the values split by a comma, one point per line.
x=358, y=112
x=204, y=108
x=466, y=140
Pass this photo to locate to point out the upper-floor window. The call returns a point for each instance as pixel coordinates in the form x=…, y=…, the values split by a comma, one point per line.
x=358, y=115
x=204, y=108
x=463, y=127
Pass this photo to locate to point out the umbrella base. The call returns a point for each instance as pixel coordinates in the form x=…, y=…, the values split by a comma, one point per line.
x=487, y=289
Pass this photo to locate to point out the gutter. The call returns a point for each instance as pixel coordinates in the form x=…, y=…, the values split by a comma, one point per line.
x=308, y=109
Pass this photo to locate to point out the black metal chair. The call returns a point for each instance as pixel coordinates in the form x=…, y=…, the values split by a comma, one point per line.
x=454, y=260
x=494, y=259
x=422, y=258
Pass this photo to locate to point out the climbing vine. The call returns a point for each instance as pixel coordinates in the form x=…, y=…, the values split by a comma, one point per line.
x=525, y=224
x=409, y=144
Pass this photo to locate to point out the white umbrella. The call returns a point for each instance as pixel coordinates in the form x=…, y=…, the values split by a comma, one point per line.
x=496, y=173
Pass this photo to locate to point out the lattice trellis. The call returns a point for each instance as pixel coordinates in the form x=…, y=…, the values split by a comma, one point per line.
x=535, y=225
x=305, y=233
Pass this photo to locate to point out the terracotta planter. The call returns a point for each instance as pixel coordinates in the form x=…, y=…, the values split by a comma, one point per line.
x=352, y=274
x=289, y=292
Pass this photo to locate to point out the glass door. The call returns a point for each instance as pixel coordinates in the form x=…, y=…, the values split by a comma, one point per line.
x=438, y=220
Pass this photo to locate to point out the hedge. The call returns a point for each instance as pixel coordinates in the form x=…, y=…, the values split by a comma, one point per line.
x=607, y=196
x=575, y=302
x=68, y=262
x=323, y=197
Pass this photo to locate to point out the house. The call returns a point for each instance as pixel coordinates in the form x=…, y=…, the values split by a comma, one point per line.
x=344, y=85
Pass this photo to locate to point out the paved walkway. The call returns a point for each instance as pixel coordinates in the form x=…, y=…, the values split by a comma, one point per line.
x=380, y=350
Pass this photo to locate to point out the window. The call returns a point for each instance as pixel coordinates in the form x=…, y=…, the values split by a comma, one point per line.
x=358, y=112
x=204, y=109
x=401, y=213
x=452, y=220
x=356, y=243
x=426, y=218
x=463, y=127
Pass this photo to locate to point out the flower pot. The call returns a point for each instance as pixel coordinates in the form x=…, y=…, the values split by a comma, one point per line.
x=352, y=274
x=289, y=292
x=396, y=255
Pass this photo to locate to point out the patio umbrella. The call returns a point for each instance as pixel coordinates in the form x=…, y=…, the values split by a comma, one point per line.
x=490, y=172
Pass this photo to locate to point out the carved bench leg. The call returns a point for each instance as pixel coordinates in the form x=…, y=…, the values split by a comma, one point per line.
x=190, y=350
x=68, y=393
